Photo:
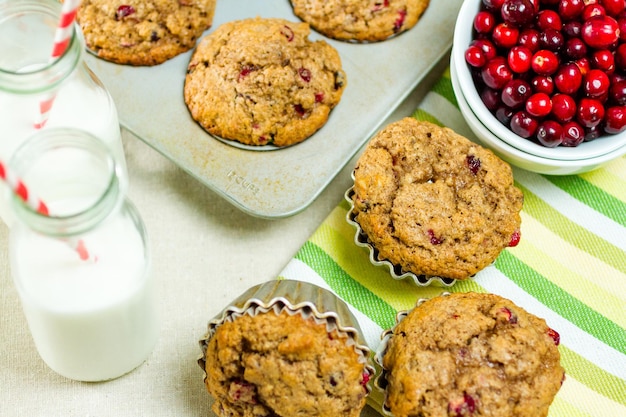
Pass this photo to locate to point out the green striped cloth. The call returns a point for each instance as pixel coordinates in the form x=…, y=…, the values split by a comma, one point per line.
x=569, y=268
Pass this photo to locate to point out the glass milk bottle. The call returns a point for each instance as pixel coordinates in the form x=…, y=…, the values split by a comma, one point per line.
x=82, y=271
x=29, y=77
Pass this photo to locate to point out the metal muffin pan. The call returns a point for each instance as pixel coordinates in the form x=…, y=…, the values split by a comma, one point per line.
x=281, y=182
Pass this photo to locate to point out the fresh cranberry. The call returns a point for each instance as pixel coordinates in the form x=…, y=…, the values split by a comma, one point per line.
x=484, y=22
x=590, y=112
x=551, y=39
x=490, y=98
x=515, y=93
x=523, y=124
x=543, y=84
x=487, y=46
x=517, y=12
x=493, y=5
x=621, y=22
x=575, y=48
x=572, y=29
x=593, y=133
x=615, y=120
x=596, y=84
x=504, y=115
x=475, y=56
x=549, y=133
x=539, y=105
x=620, y=57
x=604, y=60
x=563, y=107
x=529, y=38
x=519, y=59
x=600, y=32
x=617, y=92
x=584, y=65
x=568, y=79
x=496, y=73
x=549, y=19
x=592, y=10
x=573, y=134
x=545, y=62
x=570, y=9
x=613, y=7
x=505, y=35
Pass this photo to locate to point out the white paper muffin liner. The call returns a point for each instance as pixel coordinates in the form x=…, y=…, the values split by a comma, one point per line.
x=295, y=297
x=381, y=380
x=396, y=271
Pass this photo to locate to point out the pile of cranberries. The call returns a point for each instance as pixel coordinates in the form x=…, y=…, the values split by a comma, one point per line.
x=553, y=71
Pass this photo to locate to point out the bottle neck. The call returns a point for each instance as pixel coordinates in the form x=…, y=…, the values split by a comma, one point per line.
x=74, y=174
x=27, y=30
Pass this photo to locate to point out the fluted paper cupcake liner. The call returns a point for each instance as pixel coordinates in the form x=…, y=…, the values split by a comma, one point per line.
x=295, y=297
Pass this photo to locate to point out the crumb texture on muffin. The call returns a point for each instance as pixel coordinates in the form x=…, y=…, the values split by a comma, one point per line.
x=358, y=20
x=283, y=365
x=471, y=354
x=434, y=202
x=261, y=81
x=143, y=33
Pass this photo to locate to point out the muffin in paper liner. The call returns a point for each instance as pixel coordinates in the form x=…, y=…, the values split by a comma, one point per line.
x=396, y=271
x=294, y=298
x=513, y=363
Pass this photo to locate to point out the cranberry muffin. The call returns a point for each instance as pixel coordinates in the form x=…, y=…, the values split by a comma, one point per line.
x=359, y=20
x=432, y=202
x=470, y=354
x=271, y=356
x=261, y=81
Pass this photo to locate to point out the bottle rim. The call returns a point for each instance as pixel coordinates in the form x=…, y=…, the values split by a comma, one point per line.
x=101, y=206
x=50, y=74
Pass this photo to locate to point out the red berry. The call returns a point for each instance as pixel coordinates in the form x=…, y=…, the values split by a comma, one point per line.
x=570, y=9
x=544, y=62
x=491, y=98
x=487, y=47
x=575, y=48
x=604, y=60
x=519, y=59
x=573, y=134
x=505, y=35
x=615, y=120
x=517, y=12
x=523, y=124
x=613, y=7
x=620, y=57
x=496, y=73
x=515, y=93
x=529, y=38
x=539, y=105
x=563, y=107
x=590, y=112
x=568, y=79
x=549, y=19
x=484, y=22
x=543, y=84
x=592, y=10
x=596, y=84
x=617, y=92
x=549, y=133
x=600, y=32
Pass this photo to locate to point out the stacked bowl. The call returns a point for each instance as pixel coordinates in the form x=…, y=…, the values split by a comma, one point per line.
x=525, y=153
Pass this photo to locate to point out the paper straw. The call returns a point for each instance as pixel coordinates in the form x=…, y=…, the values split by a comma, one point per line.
x=31, y=200
x=62, y=37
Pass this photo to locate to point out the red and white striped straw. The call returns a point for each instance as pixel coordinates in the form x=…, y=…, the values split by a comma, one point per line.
x=31, y=200
x=62, y=37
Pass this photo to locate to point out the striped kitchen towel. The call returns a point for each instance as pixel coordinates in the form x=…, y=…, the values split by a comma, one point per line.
x=569, y=268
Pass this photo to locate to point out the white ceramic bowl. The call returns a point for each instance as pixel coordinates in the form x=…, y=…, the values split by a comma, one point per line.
x=520, y=158
x=604, y=145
